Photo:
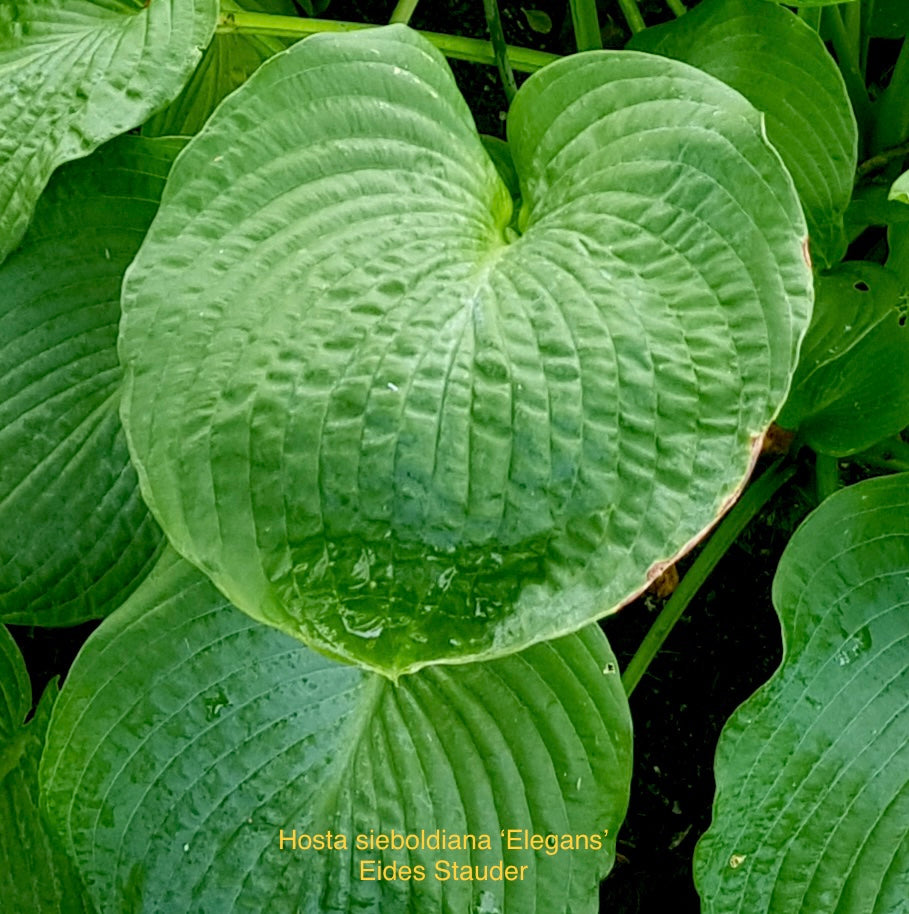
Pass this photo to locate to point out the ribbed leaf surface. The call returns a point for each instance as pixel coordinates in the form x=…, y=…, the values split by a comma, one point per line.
x=170, y=780
x=226, y=64
x=75, y=535
x=74, y=74
x=35, y=875
x=381, y=420
x=812, y=807
x=782, y=67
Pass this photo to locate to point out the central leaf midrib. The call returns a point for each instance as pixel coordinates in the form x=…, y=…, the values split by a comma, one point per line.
x=372, y=686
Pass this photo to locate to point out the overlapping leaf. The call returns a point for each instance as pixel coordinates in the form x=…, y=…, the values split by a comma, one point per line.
x=782, y=67
x=380, y=420
x=76, y=73
x=812, y=808
x=851, y=388
x=227, y=63
x=75, y=535
x=35, y=875
x=228, y=732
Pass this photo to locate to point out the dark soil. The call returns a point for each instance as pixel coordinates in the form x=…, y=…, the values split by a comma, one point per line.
x=726, y=645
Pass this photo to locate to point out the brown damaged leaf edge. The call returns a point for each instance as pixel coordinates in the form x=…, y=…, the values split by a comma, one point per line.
x=659, y=568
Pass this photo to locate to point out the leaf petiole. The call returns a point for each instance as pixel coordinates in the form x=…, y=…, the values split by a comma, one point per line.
x=586, y=25
x=500, y=48
x=754, y=498
x=632, y=15
x=403, y=10
x=524, y=60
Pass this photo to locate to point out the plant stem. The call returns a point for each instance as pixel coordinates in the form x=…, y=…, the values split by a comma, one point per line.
x=882, y=159
x=586, y=25
x=849, y=65
x=891, y=116
x=755, y=497
x=500, y=48
x=826, y=476
x=524, y=60
x=403, y=11
x=865, y=25
x=891, y=455
x=632, y=15
x=677, y=7
x=852, y=23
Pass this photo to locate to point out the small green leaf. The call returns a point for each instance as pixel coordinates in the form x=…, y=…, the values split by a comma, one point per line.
x=899, y=190
x=812, y=805
x=75, y=535
x=380, y=420
x=782, y=67
x=171, y=780
x=74, y=74
x=35, y=874
x=852, y=384
x=227, y=63
x=538, y=20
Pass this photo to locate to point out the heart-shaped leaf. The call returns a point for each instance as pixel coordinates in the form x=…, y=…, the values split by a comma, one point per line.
x=74, y=74
x=851, y=388
x=812, y=807
x=35, y=874
x=75, y=535
x=782, y=67
x=226, y=64
x=194, y=780
x=385, y=423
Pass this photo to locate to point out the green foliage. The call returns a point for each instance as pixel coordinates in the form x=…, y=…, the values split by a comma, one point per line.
x=75, y=536
x=782, y=67
x=227, y=63
x=283, y=739
x=76, y=73
x=434, y=470
x=852, y=388
x=35, y=874
x=889, y=18
x=812, y=792
x=432, y=403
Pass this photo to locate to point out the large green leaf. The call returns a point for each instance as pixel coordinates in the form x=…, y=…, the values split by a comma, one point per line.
x=780, y=64
x=35, y=875
x=171, y=780
x=852, y=384
x=75, y=535
x=380, y=420
x=226, y=64
x=812, y=807
x=74, y=74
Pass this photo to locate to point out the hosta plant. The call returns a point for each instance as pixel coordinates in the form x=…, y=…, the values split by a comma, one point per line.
x=351, y=423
